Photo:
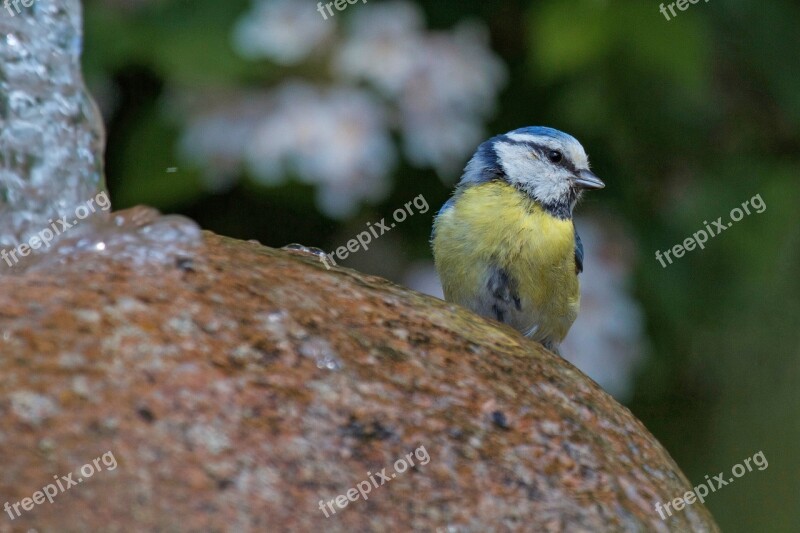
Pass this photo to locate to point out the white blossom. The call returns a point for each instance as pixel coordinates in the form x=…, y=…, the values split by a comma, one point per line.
x=285, y=31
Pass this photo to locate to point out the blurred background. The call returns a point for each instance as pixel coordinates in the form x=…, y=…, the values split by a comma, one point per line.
x=264, y=119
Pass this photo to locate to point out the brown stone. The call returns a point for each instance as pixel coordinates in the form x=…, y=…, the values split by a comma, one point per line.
x=239, y=387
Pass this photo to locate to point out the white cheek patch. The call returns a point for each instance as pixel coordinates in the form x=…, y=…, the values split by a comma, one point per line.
x=542, y=180
x=517, y=161
x=551, y=186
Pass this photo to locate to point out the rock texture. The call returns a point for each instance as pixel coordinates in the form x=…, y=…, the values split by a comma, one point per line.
x=239, y=386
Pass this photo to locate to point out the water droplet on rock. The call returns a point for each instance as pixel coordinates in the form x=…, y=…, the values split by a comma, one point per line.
x=305, y=250
x=321, y=351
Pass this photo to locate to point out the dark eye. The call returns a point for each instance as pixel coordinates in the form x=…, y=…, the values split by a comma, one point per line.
x=555, y=156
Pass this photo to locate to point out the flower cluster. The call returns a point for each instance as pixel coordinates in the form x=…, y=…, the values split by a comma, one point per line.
x=375, y=74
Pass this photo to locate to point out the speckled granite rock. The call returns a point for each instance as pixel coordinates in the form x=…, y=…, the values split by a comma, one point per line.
x=236, y=388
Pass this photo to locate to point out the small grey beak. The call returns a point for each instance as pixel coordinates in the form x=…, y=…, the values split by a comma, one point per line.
x=587, y=180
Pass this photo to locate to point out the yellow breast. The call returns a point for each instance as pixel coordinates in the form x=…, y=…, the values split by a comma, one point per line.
x=493, y=225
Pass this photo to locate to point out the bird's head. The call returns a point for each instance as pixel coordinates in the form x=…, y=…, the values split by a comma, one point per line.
x=548, y=165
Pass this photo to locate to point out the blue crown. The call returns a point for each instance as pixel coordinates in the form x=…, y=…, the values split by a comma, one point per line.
x=546, y=132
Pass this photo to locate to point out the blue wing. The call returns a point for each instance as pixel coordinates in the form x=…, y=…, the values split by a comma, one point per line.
x=578, y=253
x=447, y=205
x=503, y=291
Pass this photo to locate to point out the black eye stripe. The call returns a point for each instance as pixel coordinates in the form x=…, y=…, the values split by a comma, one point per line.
x=540, y=150
x=545, y=151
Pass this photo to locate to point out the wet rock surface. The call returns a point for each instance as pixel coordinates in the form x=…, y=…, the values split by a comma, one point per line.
x=238, y=386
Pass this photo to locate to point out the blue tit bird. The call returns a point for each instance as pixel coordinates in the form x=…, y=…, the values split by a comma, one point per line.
x=505, y=245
